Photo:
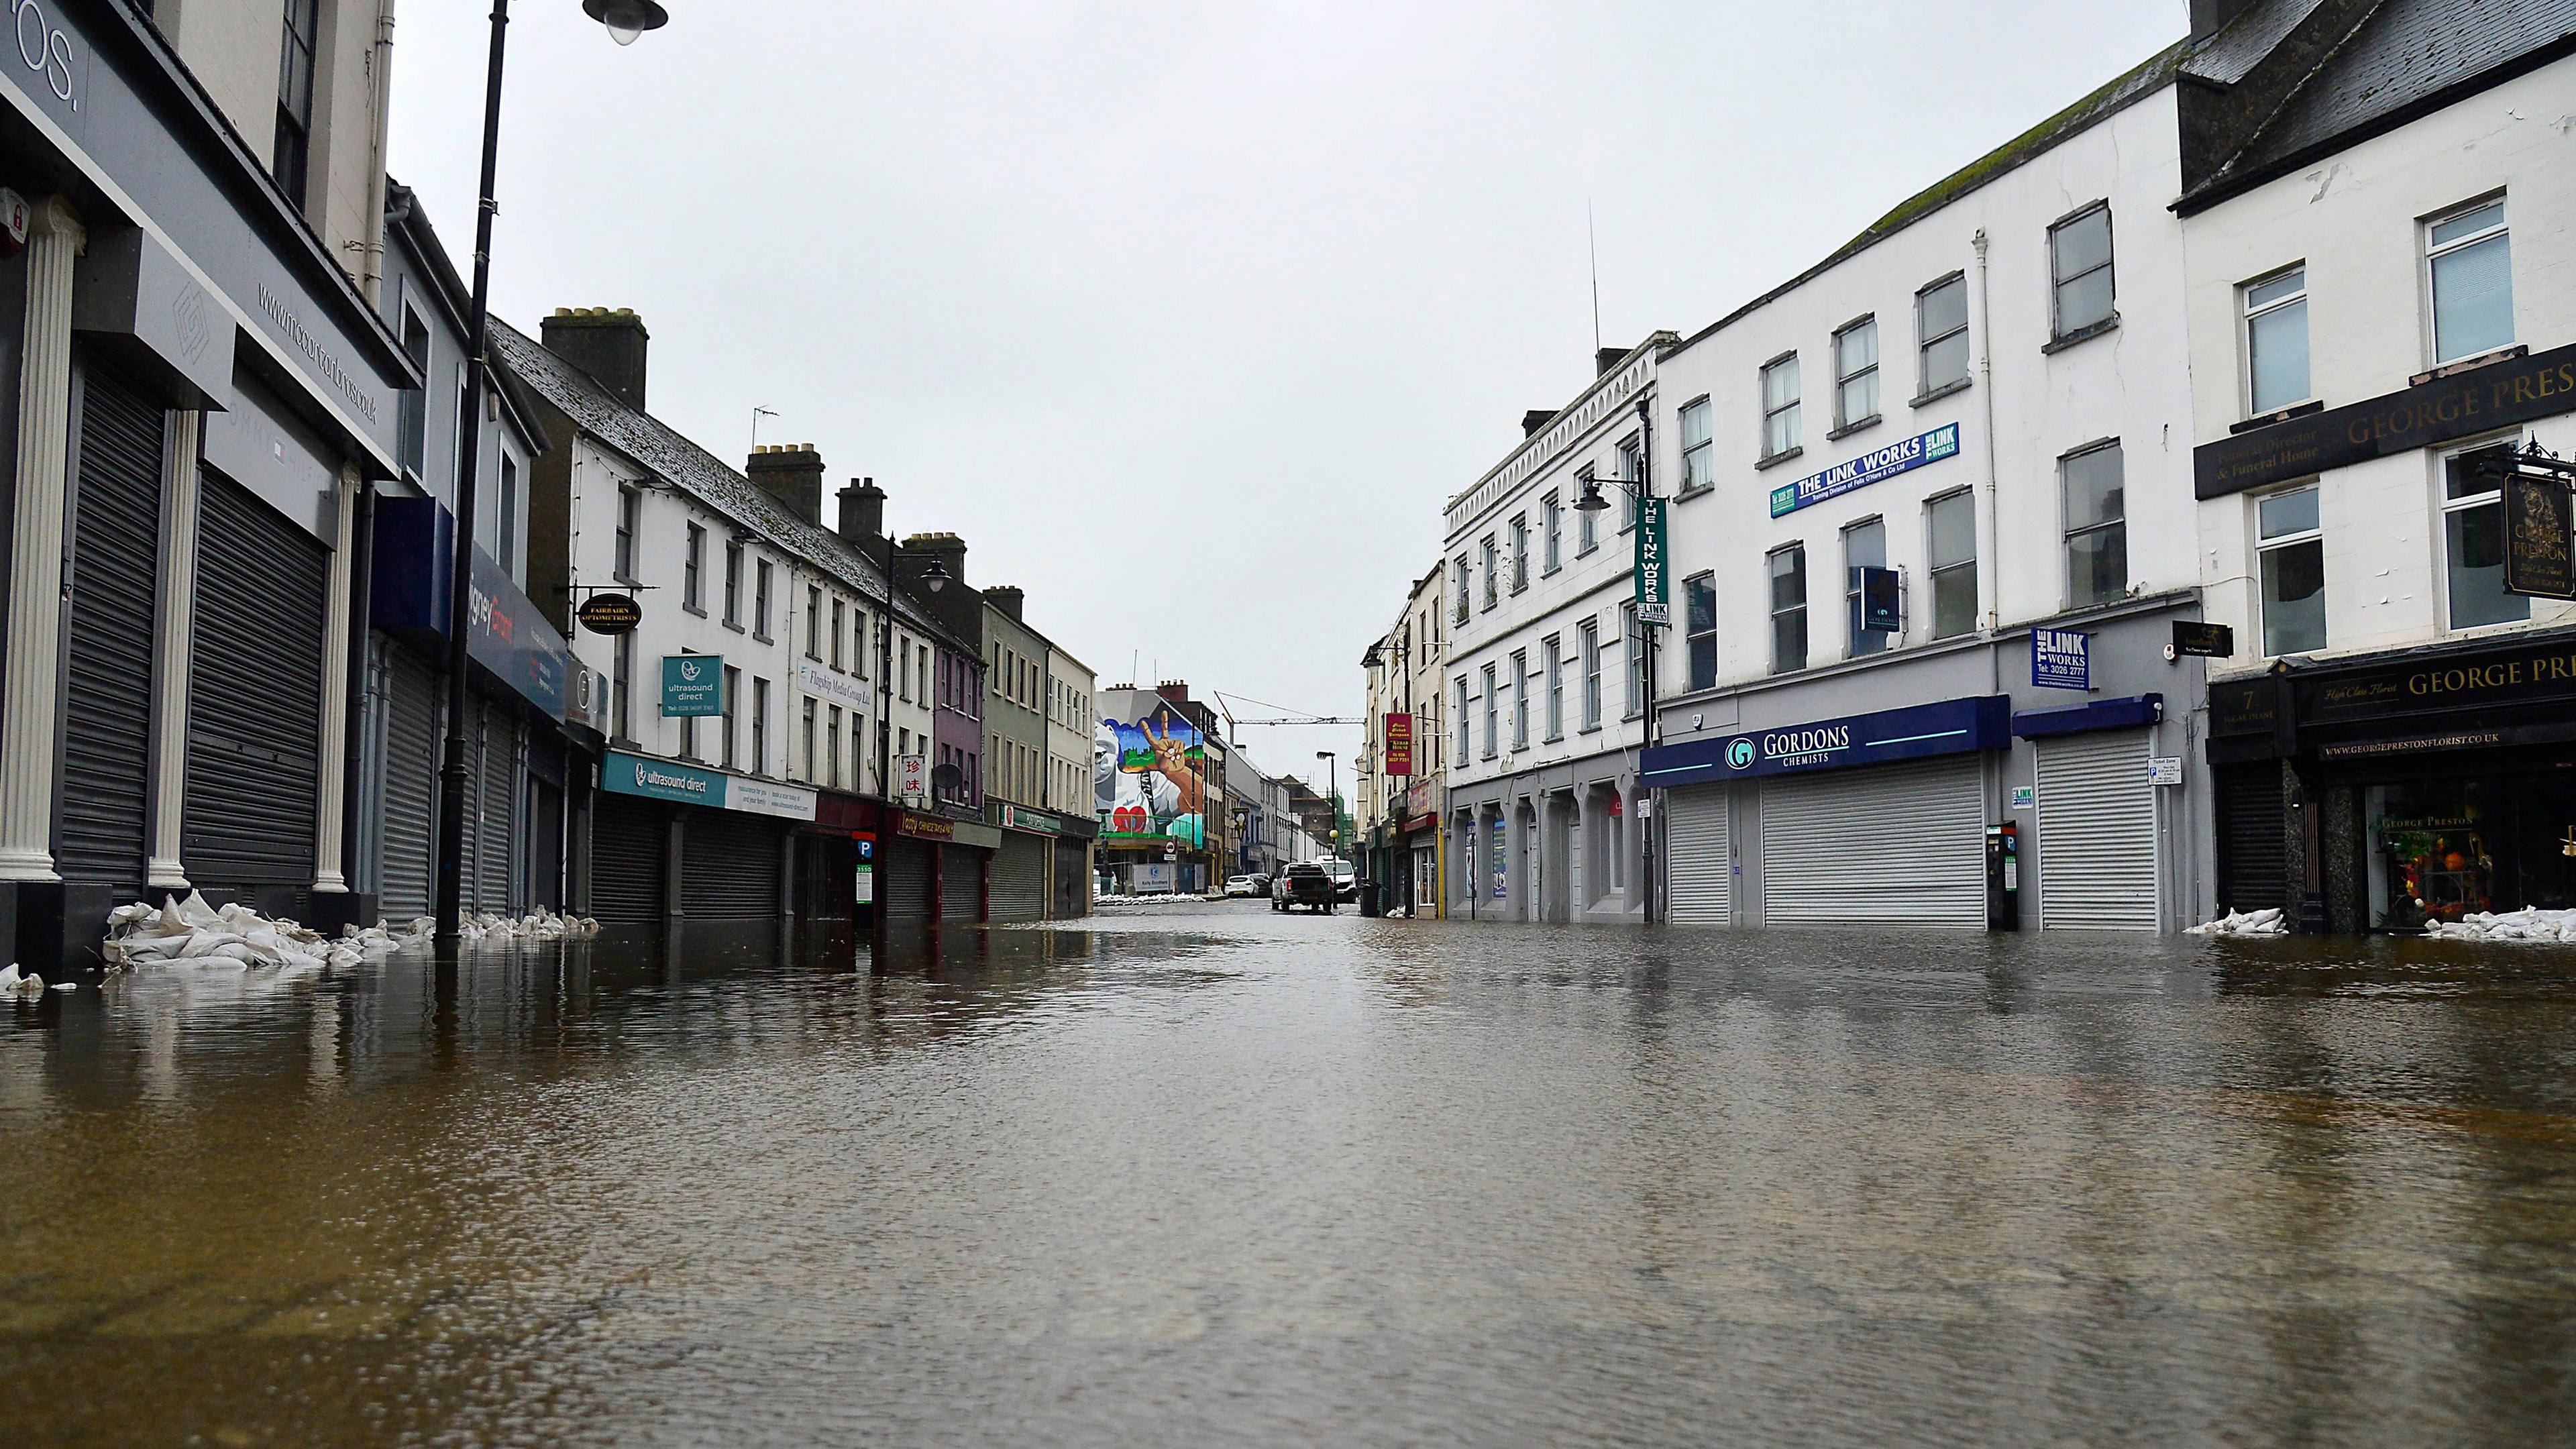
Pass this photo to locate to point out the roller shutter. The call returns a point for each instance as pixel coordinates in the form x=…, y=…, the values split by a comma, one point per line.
x=729, y=865
x=1019, y=878
x=627, y=864
x=2253, y=842
x=1702, y=868
x=1072, y=881
x=115, y=565
x=2097, y=833
x=492, y=811
x=902, y=882
x=961, y=883
x=255, y=699
x=1892, y=844
x=410, y=784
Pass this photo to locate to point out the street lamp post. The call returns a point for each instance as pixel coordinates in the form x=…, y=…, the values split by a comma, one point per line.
x=936, y=577
x=1332, y=801
x=625, y=19
x=1640, y=487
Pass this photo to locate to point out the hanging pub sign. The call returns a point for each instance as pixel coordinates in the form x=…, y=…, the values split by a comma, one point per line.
x=1653, y=601
x=2539, y=535
x=611, y=613
x=1399, y=744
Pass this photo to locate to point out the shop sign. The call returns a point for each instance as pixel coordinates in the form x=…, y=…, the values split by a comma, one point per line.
x=2024, y=796
x=1866, y=469
x=926, y=827
x=1882, y=607
x=2061, y=659
x=822, y=683
x=1399, y=744
x=2480, y=400
x=408, y=592
x=692, y=686
x=2538, y=535
x=611, y=613
x=1653, y=604
x=653, y=779
x=2199, y=639
x=763, y=797
x=1021, y=817
x=1418, y=798
x=2517, y=676
x=912, y=776
x=1952, y=726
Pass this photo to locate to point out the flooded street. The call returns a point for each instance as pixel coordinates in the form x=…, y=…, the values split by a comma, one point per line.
x=1203, y=1174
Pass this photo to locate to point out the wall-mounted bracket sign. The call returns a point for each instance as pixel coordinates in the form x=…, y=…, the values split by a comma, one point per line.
x=1882, y=601
x=2202, y=639
x=692, y=686
x=1866, y=469
x=610, y=613
x=2061, y=659
x=2539, y=530
x=1654, y=605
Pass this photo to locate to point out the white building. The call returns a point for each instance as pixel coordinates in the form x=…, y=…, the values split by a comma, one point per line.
x=1402, y=781
x=1545, y=699
x=1899, y=480
x=2381, y=286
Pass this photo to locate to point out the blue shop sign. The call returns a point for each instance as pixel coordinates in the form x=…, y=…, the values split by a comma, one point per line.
x=692, y=686
x=2061, y=659
x=653, y=779
x=504, y=633
x=1866, y=469
x=1953, y=726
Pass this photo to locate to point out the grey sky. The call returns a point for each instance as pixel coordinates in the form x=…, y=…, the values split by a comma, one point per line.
x=1189, y=318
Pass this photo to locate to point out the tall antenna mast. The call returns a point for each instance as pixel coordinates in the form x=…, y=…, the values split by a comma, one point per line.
x=1593, y=244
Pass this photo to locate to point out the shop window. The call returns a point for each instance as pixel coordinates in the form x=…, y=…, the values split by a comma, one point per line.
x=1941, y=332
x=2473, y=542
x=2079, y=260
x=1950, y=525
x=2444, y=847
x=2276, y=341
x=1856, y=375
x=2468, y=263
x=2097, y=530
x=1864, y=547
x=1780, y=407
x=1699, y=613
x=1789, y=609
x=2292, y=551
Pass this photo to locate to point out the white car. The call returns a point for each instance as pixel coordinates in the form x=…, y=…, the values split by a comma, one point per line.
x=1241, y=887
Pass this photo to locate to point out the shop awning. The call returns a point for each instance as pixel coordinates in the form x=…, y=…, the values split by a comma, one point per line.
x=2129, y=712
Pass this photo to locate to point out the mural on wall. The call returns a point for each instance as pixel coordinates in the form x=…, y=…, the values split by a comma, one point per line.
x=1147, y=778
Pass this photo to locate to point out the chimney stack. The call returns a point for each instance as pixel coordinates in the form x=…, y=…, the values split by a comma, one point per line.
x=1535, y=419
x=1008, y=598
x=1608, y=358
x=609, y=345
x=792, y=473
x=1174, y=691
x=862, y=517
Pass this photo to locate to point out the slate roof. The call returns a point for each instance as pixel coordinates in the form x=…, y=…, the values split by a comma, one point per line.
x=693, y=470
x=2409, y=55
x=2231, y=55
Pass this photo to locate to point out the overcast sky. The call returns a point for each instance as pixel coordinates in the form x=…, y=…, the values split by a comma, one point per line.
x=1189, y=318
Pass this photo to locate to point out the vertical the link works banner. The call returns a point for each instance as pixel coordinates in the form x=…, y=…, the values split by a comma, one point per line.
x=1652, y=594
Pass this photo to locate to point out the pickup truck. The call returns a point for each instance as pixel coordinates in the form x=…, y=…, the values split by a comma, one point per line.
x=1303, y=884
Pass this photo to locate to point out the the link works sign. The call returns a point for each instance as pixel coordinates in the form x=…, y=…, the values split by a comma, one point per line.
x=1653, y=590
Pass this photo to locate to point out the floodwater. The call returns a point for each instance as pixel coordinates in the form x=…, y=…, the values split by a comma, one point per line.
x=1201, y=1174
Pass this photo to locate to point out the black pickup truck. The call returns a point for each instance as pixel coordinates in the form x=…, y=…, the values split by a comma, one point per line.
x=1303, y=884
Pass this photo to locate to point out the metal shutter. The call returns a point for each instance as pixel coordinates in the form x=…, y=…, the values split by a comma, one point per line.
x=729, y=865
x=902, y=880
x=1702, y=869
x=627, y=869
x=2097, y=833
x=1019, y=878
x=1072, y=880
x=410, y=784
x=2253, y=838
x=961, y=883
x=115, y=566
x=1893, y=844
x=492, y=811
x=255, y=695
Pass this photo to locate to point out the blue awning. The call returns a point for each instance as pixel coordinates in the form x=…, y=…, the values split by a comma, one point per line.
x=1950, y=726
x=2102, y=714
x=506, y=634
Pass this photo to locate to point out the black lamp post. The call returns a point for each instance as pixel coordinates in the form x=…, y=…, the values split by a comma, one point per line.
x=625, y=19
x=1642, y=486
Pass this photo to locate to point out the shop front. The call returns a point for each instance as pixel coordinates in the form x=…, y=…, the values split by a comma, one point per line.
x=698, y=844
x=1029, y=865
x=935, y=868
x=2383, y=793
x=1417, y=852
x=836, y=859
x=1871, y=818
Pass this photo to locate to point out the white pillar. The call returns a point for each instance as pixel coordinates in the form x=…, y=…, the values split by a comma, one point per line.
x=162, y=869
x=29, y=706
x=335, y=683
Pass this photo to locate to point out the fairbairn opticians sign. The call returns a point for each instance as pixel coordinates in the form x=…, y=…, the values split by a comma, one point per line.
x=1866, y=469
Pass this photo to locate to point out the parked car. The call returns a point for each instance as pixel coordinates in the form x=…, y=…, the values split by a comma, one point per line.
x=1306, y=884
x=1242, y=887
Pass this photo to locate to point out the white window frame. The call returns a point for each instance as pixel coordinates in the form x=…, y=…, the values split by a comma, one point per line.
x=1924, y=386
x=1554, y=645
x=1493, y=713
x=1699, y=448
x=1933, y=568
x=1774, y=611
x=2057, y=329
x=2248, y=312
x=1785, y=413
x=1590, y=635
x=2448, y=505
x=1845, y=378
x=1552, y=510
x=2264, y=545
x=2432, y=312
x=1520, y=699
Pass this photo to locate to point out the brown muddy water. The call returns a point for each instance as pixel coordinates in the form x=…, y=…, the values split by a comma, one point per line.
x=1205, y=1174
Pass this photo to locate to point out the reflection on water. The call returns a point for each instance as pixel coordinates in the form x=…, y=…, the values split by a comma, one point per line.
x=1197, y=1175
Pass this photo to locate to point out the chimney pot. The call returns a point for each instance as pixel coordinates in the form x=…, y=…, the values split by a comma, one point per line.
x=611, y=347
x=793, y=476
x=862, y=518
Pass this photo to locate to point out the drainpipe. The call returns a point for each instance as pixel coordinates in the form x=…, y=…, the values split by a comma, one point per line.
x=1989, y=581
x=380, y=59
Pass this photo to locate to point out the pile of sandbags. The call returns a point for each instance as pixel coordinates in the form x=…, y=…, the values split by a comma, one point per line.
x=27, y=986
x=185, y=931
x=2528, y=924
x=2265, y=922
x=537, y=925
